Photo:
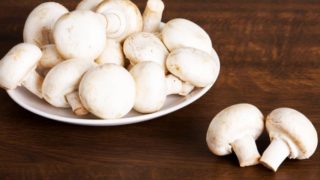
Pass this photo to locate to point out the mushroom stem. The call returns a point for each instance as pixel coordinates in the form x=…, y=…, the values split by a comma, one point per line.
x=275, y=154
x=76, y=105
x=114, y=23
x=176, y=86
x=246, y=150
x=152, y=15
x=47, y=37
x=34, y=83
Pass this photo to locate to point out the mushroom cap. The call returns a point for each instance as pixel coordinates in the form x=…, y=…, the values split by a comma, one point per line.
x=179, y=33
x=17, y=64
x=295, y=129
x=112, y=54
x=50, y=56
x=63, y=79
x=150, y=87
x=40, y=22
x=123, y=18
x=80, y=34
x=233, y=123
x=108, y=91
x=88, y=5
x=194, y=66
x=143, y=46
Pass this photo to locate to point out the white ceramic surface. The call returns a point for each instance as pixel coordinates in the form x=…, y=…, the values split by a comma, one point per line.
x=31, y=103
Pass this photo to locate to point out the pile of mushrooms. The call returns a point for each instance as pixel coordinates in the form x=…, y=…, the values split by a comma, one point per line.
x=107, y=58
x=236, y=128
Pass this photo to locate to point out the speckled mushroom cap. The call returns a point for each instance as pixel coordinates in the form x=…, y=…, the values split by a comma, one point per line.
x=194, y=66
x=80, y=34
x=39, y=25
x=16, y=65
x=108, y=91
x=233, y=123
x=63, y=79
x=143, y=46
x=295, y=129
x=179, y=33
x=150, y=87
x=123, y=18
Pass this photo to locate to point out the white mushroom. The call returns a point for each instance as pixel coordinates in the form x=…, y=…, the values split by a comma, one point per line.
x=112, y=53
x=61, y=83
x=50, y=58
x=179, y=33
x=176, y=86
x=108, y=91
x=150, y=87
x=193, y=66
x=17, y=68
x=123, y=18
x=80, y=34
x=145, y=46
x=39, y=25
x=235, y=129
x=152, y=15
x=88, y=5
x=292, y=135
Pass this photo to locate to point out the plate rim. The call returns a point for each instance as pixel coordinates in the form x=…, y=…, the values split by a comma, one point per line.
x=110, y=122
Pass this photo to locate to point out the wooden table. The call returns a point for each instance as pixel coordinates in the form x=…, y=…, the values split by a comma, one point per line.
x=270, y=56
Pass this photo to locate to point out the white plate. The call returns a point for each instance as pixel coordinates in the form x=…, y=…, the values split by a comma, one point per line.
x=31, y=103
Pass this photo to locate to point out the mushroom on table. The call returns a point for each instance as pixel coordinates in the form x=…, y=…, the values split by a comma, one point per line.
x=235, y=129
x=292, y=135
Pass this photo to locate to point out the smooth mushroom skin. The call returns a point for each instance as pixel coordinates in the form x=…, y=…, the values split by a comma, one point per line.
x=150, y=87
x=17, y=68
x=50, y=57
x=123, y=18
x=64, y=79
x=80, y=34
x=176, y=86
x=88, y=5
x=235, y=129
x=194, y=66
x=39, y=25
x=152, y=15
x=179, y=33
x=108, y=91
x=143, y=46
x=292, y=135
x=112, y=54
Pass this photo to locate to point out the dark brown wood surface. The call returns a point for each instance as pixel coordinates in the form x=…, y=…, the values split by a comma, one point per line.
x=270, y=56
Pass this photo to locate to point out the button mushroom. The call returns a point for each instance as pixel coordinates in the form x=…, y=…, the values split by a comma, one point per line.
x=50, y=58
x=40, y=22
x=152, y=15
x=193, y=66
x=112, y=54
x=80, y=34
x=123, y=18
x=292, y=135
x=17, y=68
x=88, y=5
x=108, y=91
x=176, y=86
x=179, y=33
x=236, y=128
x=61, y=84
x=143, y=46
x=150, y=87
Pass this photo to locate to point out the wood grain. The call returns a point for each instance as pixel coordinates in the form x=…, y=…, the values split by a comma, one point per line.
x=270, y=55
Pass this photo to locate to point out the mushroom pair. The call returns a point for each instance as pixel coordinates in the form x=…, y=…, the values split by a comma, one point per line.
x=237, y=127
